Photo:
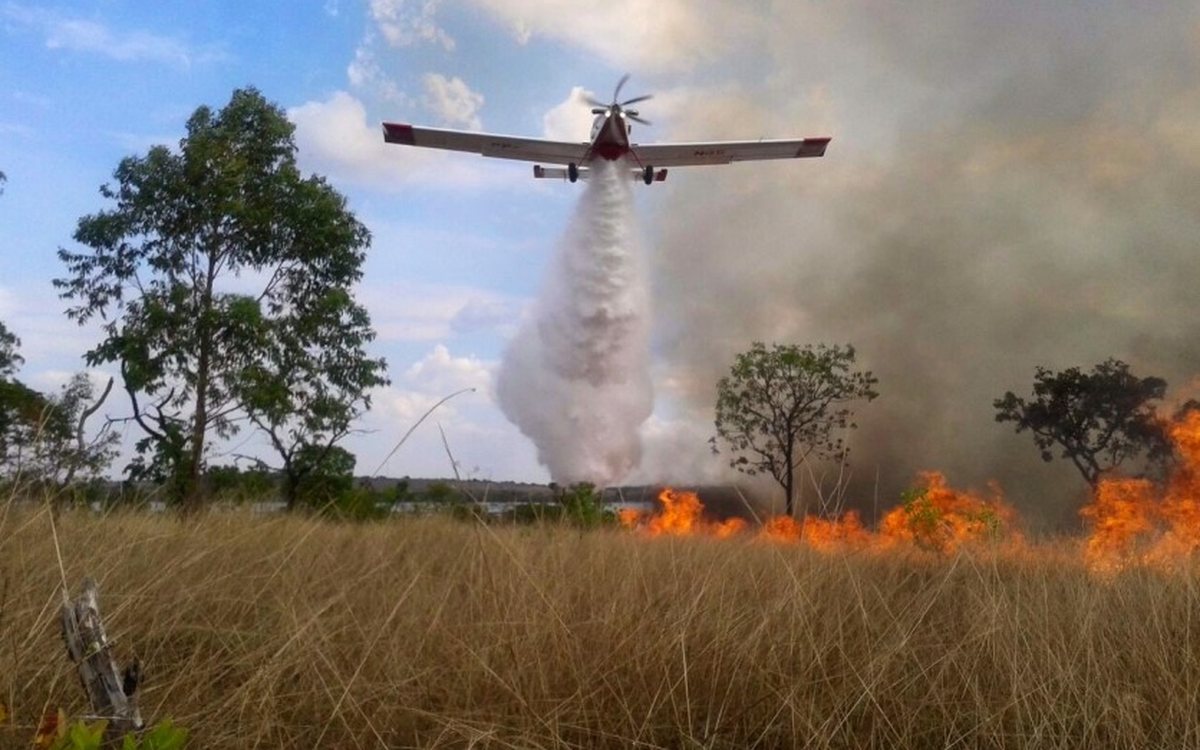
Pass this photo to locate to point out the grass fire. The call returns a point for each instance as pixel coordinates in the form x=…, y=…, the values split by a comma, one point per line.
x=1129, y=521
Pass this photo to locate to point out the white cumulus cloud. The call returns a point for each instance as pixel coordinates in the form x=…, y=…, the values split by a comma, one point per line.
x=409, y=312
x=483, y=443
x=452, y=101
x=570, y=119
x=656, y=35
x=86, y=35
x=335, y=137
x=650, y=35
x=404, y=24
x=441, y=372
x=364, y=74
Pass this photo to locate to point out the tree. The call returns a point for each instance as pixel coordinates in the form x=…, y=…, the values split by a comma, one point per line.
x=43, y=438
x=10, y=360
x=779, y=407
x=213, y=255
x=326, y=476
x=71, y=452
x=1099, y=419
x=25, y=416
x=310, y=384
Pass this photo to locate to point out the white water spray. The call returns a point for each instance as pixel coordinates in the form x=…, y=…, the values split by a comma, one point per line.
x=576, y=378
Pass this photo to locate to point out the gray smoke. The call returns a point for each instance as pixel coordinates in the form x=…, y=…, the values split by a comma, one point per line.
x=1008, y=186
x=576, y=378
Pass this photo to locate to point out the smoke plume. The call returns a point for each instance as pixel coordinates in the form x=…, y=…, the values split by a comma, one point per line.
x=576, y=379
x=1008, y=186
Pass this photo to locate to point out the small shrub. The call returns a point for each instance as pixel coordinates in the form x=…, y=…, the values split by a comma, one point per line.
x=357, y=504
x=56, y=734
x=585, y=507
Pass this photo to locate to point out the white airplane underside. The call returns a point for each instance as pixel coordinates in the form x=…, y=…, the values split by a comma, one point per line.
x=609, y=141
x=583, y=173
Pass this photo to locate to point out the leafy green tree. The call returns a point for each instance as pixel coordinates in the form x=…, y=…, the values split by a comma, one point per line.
x=232, y=483
x=25, y=414
x=218, y=263
x=311, y=382
x=781, y=406
x=1098, y=419
x=72, y=453
x=325, y=475
x=43, y=438
x=441, y=492
x=584, y=506
x=10, y=360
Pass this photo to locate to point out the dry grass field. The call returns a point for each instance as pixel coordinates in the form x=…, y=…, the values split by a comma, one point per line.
x=428, y=632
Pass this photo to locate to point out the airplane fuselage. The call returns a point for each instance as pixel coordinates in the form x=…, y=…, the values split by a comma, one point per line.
x=610, y=137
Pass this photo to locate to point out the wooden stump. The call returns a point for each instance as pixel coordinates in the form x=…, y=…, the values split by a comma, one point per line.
x=112, y=695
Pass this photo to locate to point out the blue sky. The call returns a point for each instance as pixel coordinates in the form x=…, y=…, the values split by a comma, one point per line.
x=1009, y=184
x=458, y=244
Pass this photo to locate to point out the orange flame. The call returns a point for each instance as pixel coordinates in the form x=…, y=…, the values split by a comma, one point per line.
x=820, y=533
x=1136, y=522
x=1121, y=512
x=682, y=514
x=939, y=518
x=629, y=517
x=1131, y=521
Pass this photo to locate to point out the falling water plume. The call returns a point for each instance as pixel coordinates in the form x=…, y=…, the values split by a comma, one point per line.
x=576, y=378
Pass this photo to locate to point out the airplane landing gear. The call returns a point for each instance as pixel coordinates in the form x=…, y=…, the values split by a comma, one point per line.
x=573, y=172
x=648, y=174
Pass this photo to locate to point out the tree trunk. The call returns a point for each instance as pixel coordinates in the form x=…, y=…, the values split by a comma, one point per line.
x=192, y=498
x=291, y=486
x=191, y=480
x=789, y=486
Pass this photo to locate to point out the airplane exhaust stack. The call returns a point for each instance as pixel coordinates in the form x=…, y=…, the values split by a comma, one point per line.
x=576, y=378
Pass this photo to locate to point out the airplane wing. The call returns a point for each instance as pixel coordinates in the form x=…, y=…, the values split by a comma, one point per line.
x=724, y=152
x=487, y=144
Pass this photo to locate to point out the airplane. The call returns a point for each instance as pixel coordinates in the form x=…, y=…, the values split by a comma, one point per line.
x=609, y=141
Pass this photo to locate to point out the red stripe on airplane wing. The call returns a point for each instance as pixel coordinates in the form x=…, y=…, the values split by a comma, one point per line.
x=398, y=133
x=813, y=147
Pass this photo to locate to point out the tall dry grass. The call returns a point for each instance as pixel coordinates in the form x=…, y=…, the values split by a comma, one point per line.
x=292, y=632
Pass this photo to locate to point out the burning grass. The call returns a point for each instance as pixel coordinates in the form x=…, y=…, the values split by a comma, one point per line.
x=1136, y=522
x=933, y=517
x=1131, y=522
x=293, y=632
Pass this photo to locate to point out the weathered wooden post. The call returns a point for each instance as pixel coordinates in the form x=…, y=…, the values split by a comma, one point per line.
x=113, y=696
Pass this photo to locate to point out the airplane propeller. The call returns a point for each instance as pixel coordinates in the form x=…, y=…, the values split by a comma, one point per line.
x=619, y=107
x=620, y=84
